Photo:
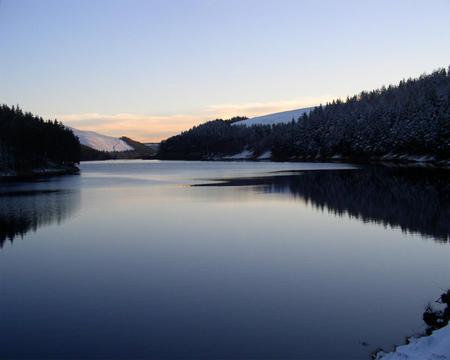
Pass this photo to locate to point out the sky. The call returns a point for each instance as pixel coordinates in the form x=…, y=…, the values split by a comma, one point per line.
x=149, y=69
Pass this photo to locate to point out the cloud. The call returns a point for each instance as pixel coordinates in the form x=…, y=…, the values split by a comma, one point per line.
x=137, y=126
x=252, y=109
x=154, y=128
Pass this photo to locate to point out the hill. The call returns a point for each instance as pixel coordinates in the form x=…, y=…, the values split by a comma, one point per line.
x=95, y=146
x=409, y=121
x=101, y=142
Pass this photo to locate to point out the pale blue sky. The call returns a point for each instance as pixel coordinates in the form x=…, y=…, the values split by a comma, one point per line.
x=148, y=69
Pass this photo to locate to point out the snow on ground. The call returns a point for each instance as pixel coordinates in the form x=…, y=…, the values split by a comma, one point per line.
x=276, y=118
x=246, y=154
x=243, y=155
x=101, y=142
x=266, y=155
x=433, y=347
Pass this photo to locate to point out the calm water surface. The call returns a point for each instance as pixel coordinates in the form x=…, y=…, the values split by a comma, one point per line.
x=146, y=259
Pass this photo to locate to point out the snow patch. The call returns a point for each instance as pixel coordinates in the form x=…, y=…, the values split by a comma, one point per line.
x=275, y=118
x=433, y=347
x=243, y=155
x=101, y=142
x=266, y=155
x=412, y=158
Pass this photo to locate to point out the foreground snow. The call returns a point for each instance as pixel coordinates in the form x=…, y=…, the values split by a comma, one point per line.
x=276, y=118
x=433, y=347
x=101, y=142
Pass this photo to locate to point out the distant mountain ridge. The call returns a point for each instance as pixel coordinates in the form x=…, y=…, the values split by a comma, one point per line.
x=96, y=146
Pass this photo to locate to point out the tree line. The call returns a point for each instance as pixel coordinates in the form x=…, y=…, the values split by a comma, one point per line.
x=411, y=118
x=28, y=141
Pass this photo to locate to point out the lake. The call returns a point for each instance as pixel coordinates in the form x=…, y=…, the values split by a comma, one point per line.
x=230, y=260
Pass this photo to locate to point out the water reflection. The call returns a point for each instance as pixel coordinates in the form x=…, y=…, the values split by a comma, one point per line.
x=413, y=199
x=24, y=211
x=152, y=269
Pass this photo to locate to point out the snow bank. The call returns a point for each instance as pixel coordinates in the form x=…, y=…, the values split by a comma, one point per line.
x=433, y=347
x=101, y=142
x=276, y=118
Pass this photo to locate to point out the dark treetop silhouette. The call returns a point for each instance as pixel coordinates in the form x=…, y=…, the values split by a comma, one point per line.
x=410, y=119
x=27, y=143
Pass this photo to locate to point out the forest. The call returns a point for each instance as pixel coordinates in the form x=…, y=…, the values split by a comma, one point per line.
x=411, y=119
x=28, y=142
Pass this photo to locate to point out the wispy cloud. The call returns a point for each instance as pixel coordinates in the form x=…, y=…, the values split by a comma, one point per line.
x=157, y=127
x=252, y=109
x=137, y=126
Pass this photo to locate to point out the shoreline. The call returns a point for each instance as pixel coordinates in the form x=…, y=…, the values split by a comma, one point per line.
x=38, y=173
x=433, y=344
x=405, y=162
x=267, y=155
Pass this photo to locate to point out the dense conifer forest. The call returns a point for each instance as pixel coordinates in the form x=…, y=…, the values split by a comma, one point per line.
x=408, y=120
x=27, y=143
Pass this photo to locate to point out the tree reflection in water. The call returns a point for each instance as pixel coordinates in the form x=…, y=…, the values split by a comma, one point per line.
x=24, y=211
x=417, y=200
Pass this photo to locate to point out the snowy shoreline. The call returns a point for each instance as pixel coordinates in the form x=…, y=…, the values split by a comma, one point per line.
x=431, y=347
x=435, y=344
x=394, y=159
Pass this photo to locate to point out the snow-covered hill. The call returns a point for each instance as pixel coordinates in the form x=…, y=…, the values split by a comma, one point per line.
x=101, y=142
x=276, y=118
